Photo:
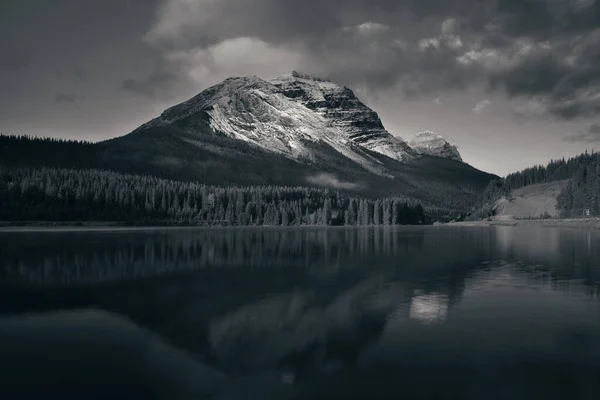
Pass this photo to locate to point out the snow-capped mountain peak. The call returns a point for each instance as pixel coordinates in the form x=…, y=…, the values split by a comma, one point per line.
x=343, y=109
x=285, y=115
x=432, y=144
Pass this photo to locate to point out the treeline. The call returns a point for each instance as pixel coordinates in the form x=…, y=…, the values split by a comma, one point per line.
x=442, y=188
x=582, y=192
x=43, y=141
x=556, y=170
x=53, y=194
x=38, y=151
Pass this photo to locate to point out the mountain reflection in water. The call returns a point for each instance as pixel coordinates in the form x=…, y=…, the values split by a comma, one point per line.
x=422, y=312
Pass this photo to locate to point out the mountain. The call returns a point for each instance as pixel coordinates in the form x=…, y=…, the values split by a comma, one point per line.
x=295, y=130
x=432, y=144
x=288, y=116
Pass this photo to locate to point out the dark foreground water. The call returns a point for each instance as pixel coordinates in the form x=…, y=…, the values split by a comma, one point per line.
x=406, y=313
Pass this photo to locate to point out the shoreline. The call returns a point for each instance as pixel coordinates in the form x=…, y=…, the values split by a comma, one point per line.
x=579, y=223
x=71, y=226
x=101, y=226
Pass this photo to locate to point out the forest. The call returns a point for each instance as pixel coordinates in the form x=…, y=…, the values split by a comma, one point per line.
x=57, y=194
x=555, y=170
x=445, y=188
x=582, y=191
x=38, y=151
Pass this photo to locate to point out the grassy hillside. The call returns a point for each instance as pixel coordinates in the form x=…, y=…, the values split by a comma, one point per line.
x=531, y=201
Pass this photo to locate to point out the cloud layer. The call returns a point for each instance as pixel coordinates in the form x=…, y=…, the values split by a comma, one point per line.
x=68, y=98
x=545, y=52
x=589, y=134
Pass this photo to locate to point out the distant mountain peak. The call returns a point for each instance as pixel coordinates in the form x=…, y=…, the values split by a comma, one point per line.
x=433, y=144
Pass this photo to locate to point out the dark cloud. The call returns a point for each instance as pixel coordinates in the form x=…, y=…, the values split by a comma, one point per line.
x=68, y=98
x=81, y=74
x=374, y=44
x=411, y=62
x=75, y=73
x=542, y=19
x=590, y=134
x=282, y=21
x=14, y=60
x=139, y=87
x=564, y=75
x=540, y=48
x=533, y=75
x=152, y=86
x=580, y=106
x=556, y=61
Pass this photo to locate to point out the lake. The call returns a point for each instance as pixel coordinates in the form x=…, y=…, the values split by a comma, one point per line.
x=306, y=313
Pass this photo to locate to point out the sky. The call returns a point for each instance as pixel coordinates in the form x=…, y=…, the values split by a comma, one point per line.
x=512, y=83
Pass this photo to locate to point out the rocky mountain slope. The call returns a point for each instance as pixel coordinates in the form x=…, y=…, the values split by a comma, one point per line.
x=287, y=115
x=433, y=144
x=344, y=110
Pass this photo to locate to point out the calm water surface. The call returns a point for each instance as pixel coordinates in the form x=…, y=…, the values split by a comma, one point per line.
x=398, y=313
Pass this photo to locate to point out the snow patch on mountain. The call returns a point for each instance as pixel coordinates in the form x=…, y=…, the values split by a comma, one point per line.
x=344, y=110
x=433, y=144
